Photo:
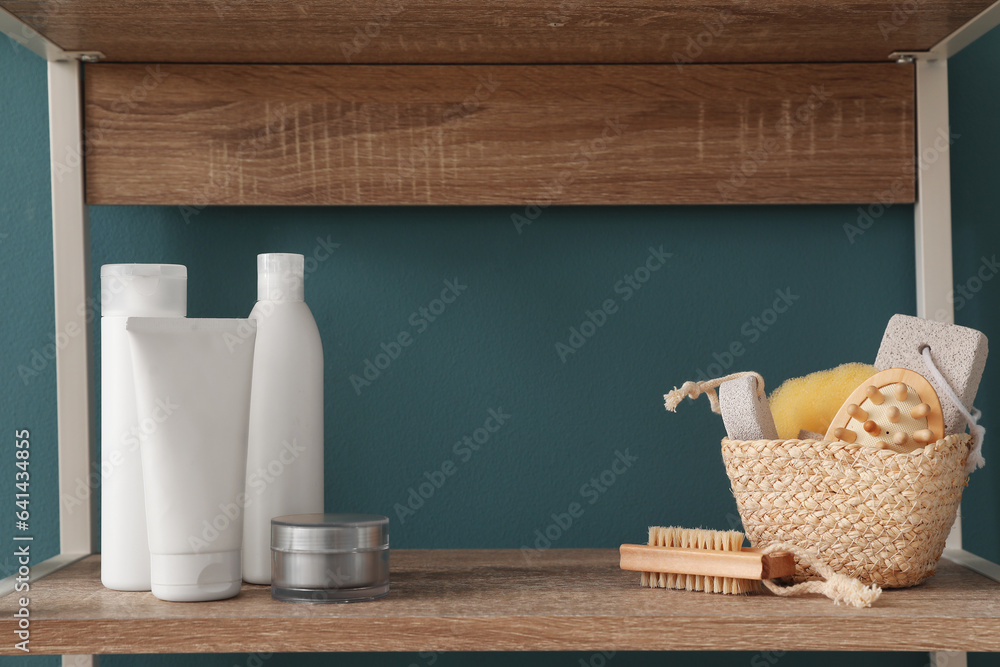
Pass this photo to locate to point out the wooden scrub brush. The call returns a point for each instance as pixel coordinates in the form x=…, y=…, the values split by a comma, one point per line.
x=714, y=561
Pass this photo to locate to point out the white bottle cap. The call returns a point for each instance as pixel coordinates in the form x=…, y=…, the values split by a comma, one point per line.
x=143, y=290
x=196, y=577
x=280, y=277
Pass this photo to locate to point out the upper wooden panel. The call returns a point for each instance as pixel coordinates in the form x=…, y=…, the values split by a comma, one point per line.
x=506, y=600
x=507, y=134
x=494, y=31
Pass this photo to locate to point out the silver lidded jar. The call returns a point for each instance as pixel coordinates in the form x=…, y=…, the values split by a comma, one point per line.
x=329, y=557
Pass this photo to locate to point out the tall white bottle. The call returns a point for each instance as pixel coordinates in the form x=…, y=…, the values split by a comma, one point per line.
x=285, y=457
x=129, y=290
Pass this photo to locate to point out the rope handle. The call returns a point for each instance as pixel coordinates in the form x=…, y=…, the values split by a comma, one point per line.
x=695, y=389
x=840, y=588
x=975, y=458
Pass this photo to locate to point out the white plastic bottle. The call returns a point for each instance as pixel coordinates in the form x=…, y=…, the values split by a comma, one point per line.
x=285, y=457
x=140, y=290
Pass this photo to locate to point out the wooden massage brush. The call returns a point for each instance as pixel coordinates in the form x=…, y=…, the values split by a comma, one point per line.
x=895, y=409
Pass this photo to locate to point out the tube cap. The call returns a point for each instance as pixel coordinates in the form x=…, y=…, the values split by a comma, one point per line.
x=143, y=290
x=196, y=577
x=280, y=277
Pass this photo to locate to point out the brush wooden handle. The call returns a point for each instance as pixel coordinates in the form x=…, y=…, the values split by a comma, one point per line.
x=745, y=564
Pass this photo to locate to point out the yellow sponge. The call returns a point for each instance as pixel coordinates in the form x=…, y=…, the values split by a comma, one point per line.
x=811, y=402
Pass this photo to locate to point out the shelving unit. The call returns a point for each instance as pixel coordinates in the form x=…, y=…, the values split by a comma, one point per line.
x=487, y=31
x=485, y=600
x=517, y=102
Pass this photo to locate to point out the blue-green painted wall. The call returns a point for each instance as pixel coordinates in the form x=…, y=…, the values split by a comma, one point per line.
x=495, y=346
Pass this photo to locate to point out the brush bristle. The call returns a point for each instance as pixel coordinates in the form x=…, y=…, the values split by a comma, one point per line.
x=688, y=538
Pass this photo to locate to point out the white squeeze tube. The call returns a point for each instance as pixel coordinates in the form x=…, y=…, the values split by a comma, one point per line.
x=285, y=460
x=194, y=463
x=147, y=290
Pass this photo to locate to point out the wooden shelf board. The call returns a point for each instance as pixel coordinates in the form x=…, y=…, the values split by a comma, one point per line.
x=503, y=600
x=490, y=31
x=499, y=135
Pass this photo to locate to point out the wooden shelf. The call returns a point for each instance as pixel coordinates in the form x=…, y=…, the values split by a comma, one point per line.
x=508, y=135
x=493, y=31
x=499, y=600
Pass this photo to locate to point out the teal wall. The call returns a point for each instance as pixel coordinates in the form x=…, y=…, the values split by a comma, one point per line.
x=495, y=347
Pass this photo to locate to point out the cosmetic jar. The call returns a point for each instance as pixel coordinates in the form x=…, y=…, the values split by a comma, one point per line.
x=329, y=557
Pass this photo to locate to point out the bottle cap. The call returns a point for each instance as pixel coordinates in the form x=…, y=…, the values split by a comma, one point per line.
x=143, y=290
x=280, y=277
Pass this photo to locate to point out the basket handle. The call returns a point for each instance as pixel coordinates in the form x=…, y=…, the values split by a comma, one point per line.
x=838, y=587
x=695, y=389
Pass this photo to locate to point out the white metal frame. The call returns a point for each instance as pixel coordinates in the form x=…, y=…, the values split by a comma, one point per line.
x=932, y=226
x=932, y=232
x=28, y=37
x=71, y=264
x=973, y=29
x=71, y=278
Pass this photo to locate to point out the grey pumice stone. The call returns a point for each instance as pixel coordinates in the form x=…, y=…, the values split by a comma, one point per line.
x=958, y=352
x=746, y=415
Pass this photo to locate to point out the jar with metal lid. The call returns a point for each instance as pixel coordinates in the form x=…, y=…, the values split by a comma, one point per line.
x=329, y=557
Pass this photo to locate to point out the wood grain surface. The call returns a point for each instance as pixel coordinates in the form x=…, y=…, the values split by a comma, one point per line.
x=564, y=134
x=745, y=564
x=494, y=31
x=503, y=600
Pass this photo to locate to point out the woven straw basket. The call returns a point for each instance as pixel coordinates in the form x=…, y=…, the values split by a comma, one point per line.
x=871, y=514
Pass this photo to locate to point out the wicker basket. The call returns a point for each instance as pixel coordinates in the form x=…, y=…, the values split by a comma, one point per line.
x=871, y=514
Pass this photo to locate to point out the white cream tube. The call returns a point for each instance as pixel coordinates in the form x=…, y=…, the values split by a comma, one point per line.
x=194, y=462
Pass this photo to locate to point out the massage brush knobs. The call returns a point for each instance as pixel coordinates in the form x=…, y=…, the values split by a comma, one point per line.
x=894, y=409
